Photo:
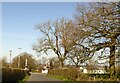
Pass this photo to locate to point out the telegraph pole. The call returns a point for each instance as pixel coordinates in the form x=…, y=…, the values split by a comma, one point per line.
x=10, y=57
x=19, y=58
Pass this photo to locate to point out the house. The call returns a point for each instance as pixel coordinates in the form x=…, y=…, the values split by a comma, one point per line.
x=83, y=69
x=99, y=71
x=46, y=68
x=45, y=71
x=94, y=71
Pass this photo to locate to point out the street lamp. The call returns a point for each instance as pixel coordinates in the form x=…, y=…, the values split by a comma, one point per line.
x=10, y=57
x=19, y=58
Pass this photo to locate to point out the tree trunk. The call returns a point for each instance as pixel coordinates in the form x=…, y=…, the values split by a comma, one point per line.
x=76, y=65
x=112, y=62
x=61, y=63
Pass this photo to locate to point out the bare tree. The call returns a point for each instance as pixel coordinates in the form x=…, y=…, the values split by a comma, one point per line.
x=80, y=54
x=102, y=23
x=91, y=65
x=54, y=62
x=59, y=36
x=42, y=61
x=81, y=50
x=4, y=62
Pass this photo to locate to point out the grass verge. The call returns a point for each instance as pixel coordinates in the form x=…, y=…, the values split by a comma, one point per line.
x=24, y=80
x=84, y=81
x=61, y=78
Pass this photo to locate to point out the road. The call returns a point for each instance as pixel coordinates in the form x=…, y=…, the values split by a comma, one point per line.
x=42, y=78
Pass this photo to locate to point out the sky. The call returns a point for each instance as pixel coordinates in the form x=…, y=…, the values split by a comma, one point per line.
x=0, y=29
x=19, y=20
x=49, y=0
x=60, y=0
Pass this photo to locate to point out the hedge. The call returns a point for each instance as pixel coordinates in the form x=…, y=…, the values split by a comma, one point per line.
x=75, y=75
x=14, y=75
x=103, y=76
x=72, y=74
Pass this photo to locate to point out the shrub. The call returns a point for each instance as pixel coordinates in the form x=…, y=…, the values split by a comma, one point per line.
x=103, y=76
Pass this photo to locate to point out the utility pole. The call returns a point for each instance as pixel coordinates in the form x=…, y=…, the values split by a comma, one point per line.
x=19, y=58
x=10, y=57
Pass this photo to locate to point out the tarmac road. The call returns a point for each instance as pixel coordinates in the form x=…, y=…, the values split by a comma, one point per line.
x=42, y=78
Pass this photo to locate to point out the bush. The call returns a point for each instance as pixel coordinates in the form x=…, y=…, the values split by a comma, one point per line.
x=14, y=75
x=103, y=76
